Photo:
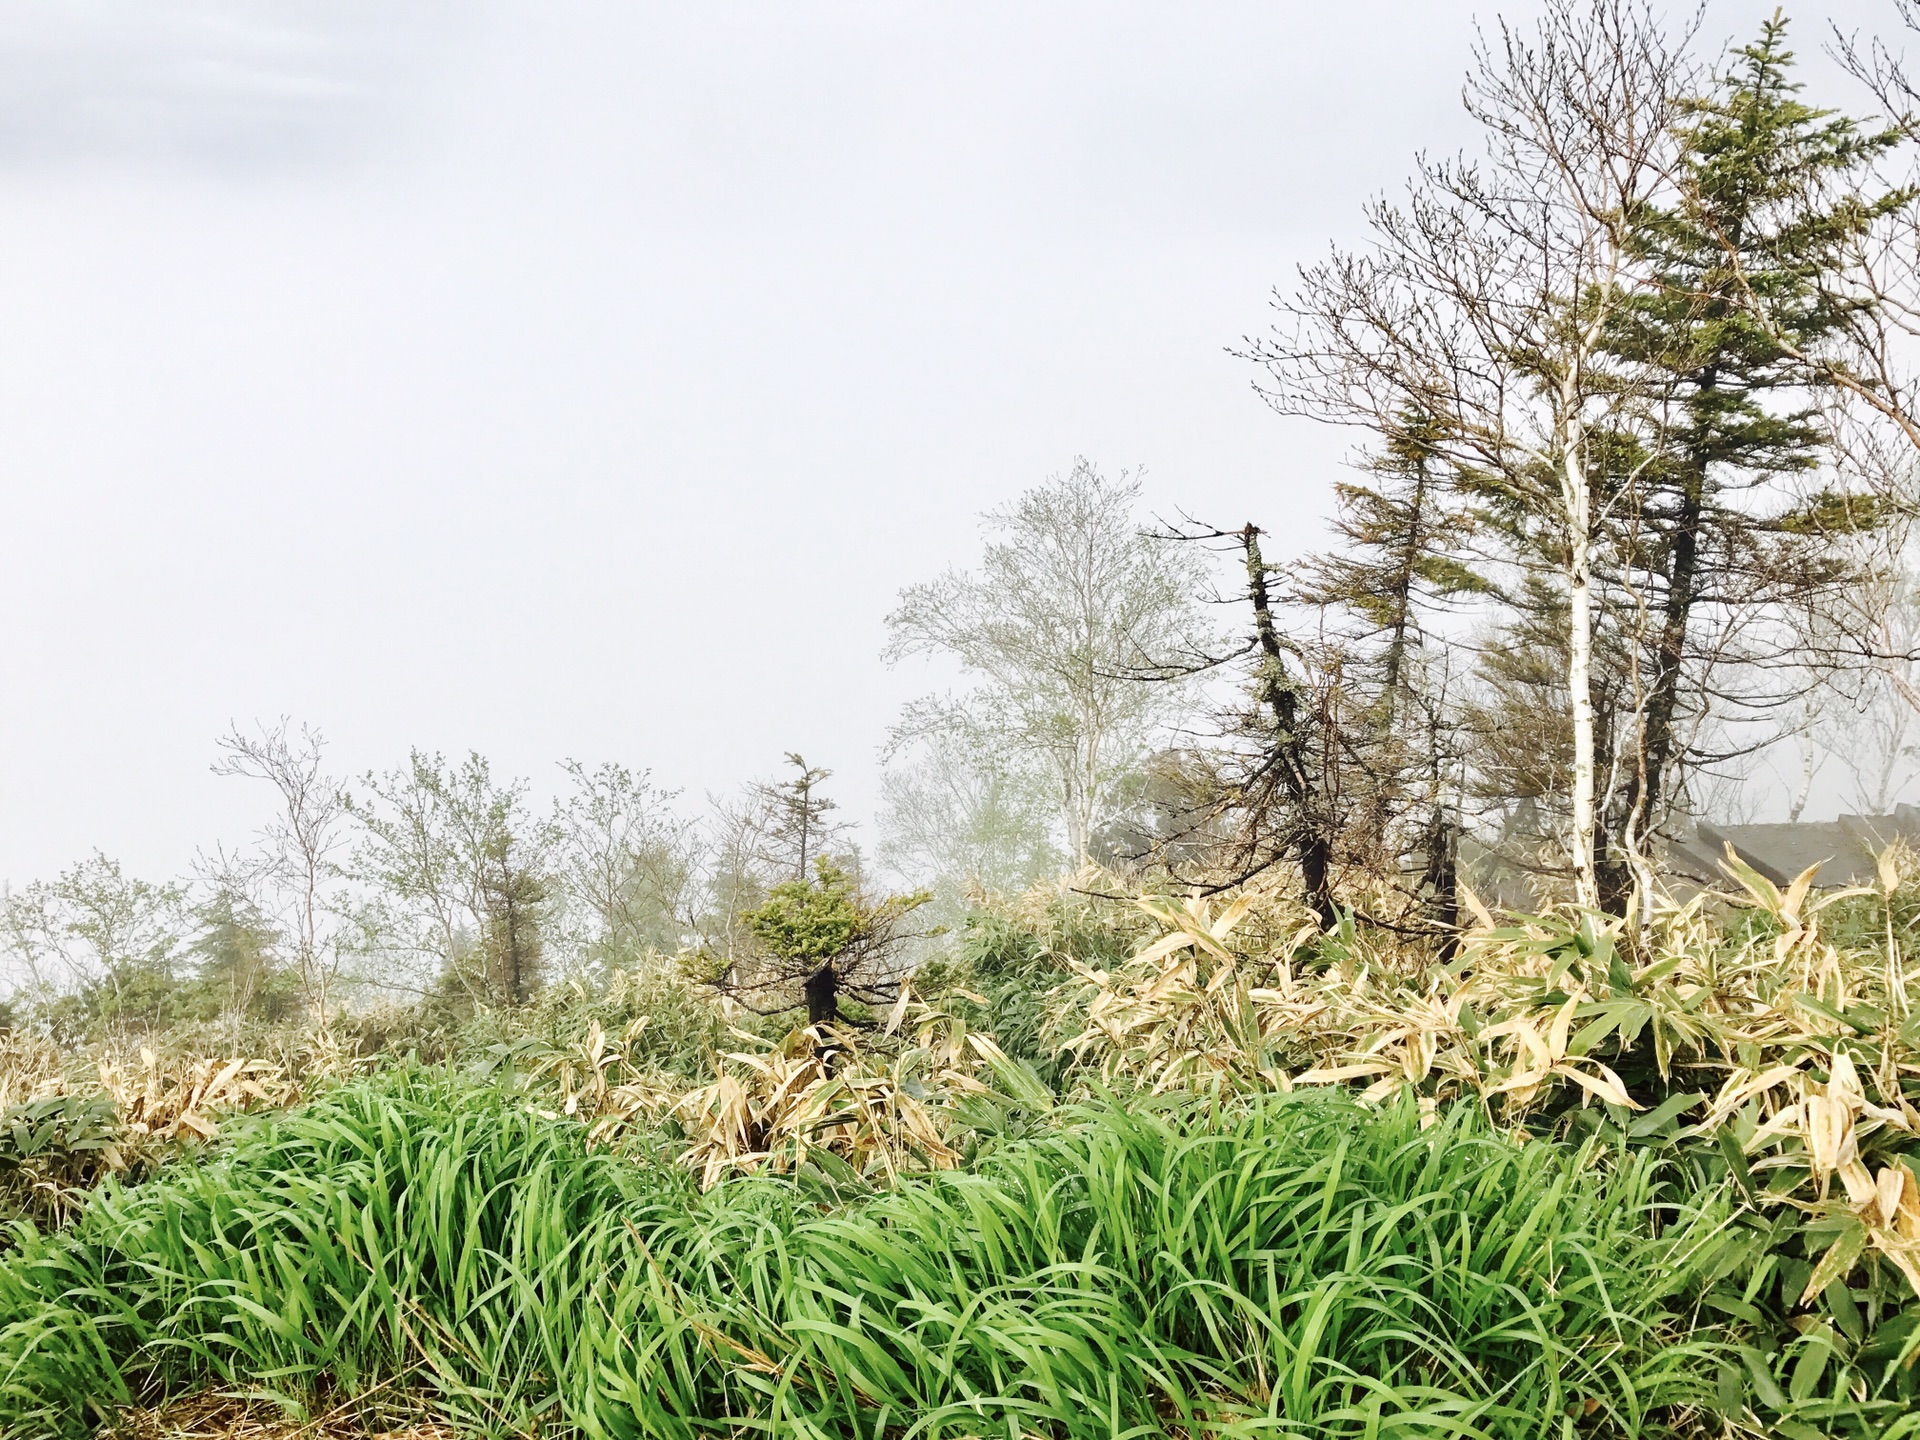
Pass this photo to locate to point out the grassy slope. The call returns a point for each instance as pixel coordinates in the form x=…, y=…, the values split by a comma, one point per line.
x=1298, y=1266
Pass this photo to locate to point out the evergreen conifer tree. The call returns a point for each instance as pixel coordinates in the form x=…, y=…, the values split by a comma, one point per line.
x=1770, y=194
x=1402, y=531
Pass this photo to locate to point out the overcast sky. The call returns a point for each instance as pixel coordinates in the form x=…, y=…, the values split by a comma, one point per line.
x=586, y=380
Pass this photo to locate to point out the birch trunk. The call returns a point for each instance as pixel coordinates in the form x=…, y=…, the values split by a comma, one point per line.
x=1577, y=496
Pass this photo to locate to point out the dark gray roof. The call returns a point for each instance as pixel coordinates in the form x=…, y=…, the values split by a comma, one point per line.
x=1844, y=849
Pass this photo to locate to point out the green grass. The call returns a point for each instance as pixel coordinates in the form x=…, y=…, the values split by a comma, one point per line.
x=1291, y=1267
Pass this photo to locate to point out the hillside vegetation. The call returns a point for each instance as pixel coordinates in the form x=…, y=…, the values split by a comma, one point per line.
x=1308, y=1015
x=1244, y=1177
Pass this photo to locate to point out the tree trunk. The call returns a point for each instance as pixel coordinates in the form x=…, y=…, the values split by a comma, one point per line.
x=1079, y=808
x=1403, y=598
x=1313, y=841
x=822, y=990
x=1670, y=652
x=1316, y=874
x=1647, y=786
x=1442, y=880
x=1578, y=501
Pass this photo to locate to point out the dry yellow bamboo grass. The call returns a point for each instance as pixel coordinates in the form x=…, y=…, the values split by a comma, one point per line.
x=1800, y=1051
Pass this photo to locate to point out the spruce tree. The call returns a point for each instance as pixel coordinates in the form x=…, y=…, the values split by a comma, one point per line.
x=1770, y=193
x=1404, y=531
x=799, y=834
x=514, y=895
x=235, y=949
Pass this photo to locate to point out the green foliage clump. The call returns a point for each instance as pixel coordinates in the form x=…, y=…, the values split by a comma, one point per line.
x=1292, y=1265
x=809, y=921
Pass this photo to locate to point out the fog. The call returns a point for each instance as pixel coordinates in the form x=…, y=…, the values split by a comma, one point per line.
x=588, y=379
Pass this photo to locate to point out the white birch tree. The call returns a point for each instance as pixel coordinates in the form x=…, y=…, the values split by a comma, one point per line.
x=1482, y=302
x=1071, y=605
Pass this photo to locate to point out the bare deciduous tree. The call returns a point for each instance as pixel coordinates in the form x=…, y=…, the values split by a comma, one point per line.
x=1483, y=306
x=458, y=876
x=964, y=821
x=299, y=845
x=1071, y=603
x=622, y=865
x=1866, y=716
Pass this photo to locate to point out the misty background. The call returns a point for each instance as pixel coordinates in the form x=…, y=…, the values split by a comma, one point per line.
x=588, y=380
